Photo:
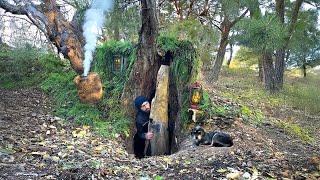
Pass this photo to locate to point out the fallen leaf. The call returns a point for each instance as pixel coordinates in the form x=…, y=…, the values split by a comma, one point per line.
x=222, y=170
x=167, y=160
x=55, y=158
x=38, y=153
x=235, y=175
x=84, y=127
x=79, y=134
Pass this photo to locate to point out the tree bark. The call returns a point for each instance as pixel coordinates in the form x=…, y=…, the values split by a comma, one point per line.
x=260, y=69
x=279, y=68
x=231, y=53
x=58, y=30
x=142, y=78
x=280, y=54
x=268, y=70
x=304, y=70
x=225, y=27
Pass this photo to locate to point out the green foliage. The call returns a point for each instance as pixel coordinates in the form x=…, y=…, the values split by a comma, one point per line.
x=254, y=116
x=29, y=67
x=157, y=177
x=107, y=117
x=232, y=8
x=67, y=105
x=306, y=31
x=184, y=58
x=26, y=67
x=262, y=34
x=203, y=37
x=299, y=93
x=247, y=55
x=211, y=109
x=113, y=83
x=123, y=22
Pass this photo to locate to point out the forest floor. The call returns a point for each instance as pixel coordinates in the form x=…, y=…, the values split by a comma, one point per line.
x=37, y=145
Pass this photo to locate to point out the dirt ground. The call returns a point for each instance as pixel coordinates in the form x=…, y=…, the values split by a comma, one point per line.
x=37, y=145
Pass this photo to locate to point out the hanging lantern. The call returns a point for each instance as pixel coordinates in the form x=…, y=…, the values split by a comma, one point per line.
x=195, y=95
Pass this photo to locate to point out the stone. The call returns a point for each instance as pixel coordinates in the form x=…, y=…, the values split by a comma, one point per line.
x=246, y=176
x=233, y=176
x=159, y=112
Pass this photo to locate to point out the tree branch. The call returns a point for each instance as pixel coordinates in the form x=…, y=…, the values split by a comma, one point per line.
x=16, y=17
x=205, y=9
x=190, y=8
x=239, y=18
x=12, y=8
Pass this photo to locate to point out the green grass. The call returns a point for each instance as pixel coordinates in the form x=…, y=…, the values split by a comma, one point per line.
x=304, y=94
x=296, y=130
x=106, y=117
x=26, y=67
x=210, y=109
x=300, y=93
x=242, y=86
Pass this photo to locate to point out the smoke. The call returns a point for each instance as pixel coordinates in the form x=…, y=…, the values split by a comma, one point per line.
x=94, y=19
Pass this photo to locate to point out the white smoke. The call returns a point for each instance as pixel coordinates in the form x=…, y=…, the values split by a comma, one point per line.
x=94, y=19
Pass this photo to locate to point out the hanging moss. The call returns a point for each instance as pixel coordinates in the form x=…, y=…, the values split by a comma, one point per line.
x=110, y=108
x=106, y=53
x=184, y=70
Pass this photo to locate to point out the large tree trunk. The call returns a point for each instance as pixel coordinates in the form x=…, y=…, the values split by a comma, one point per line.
x=58, y=30
x=142, y=79
x=225, y=27
x=268, y=70
x=280, y=54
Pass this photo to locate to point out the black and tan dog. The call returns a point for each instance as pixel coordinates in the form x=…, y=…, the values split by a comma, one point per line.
x=217, y=139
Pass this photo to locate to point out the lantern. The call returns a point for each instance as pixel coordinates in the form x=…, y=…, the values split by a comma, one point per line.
x=195, y=95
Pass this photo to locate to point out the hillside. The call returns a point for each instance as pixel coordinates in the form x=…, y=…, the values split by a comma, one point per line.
x=36, y=144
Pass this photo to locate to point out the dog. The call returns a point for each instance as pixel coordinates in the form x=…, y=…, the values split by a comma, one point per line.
x=215, y=138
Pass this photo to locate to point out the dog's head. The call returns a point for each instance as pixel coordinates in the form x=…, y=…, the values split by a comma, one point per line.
x=197, y=133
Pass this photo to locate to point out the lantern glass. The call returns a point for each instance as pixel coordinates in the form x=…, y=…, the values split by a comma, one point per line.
x=196, y=96
x=117, y=64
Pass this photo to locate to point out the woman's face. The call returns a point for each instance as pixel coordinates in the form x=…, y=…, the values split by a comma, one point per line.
x=145, y=107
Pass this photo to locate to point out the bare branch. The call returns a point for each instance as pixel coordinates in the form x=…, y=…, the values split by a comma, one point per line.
x=190, y=8
x=16, y=17
x=205, y=9
x=12, y=8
